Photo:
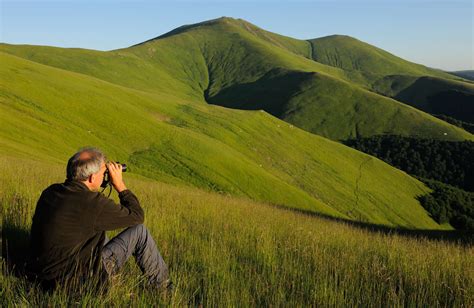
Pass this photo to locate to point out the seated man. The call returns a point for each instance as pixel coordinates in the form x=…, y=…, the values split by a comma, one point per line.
x=68, y=238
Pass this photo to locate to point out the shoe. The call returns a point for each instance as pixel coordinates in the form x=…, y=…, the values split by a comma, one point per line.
x=166, y=286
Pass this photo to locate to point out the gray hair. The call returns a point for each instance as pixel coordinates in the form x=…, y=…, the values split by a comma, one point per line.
x=80, y=168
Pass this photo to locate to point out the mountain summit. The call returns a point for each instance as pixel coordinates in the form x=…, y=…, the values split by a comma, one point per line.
x=336, y=86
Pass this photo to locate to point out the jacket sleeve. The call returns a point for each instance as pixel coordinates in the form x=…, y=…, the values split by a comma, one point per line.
x=113, y=216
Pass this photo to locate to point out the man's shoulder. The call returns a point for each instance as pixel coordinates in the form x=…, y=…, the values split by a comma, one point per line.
x=54, y=186
x=62, y=198
x=51, y=189
x=65, y=190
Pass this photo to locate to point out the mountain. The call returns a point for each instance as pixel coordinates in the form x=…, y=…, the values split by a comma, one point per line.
x=47, y=113
x=232, y=63
x=148, y=105
x=430, y=90
x=440, y=97
x=353, y=55
x=468, y=74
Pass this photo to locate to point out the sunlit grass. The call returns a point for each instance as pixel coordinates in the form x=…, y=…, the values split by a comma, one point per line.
x=233, y=251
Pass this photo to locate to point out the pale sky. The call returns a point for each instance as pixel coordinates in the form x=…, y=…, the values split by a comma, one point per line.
x=436, y=33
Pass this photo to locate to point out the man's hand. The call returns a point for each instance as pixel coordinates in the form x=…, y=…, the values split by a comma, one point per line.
x=115, y=173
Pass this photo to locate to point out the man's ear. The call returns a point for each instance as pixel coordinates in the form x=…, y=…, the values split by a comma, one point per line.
x=91, y=178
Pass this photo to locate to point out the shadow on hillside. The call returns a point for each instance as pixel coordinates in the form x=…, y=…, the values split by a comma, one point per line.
x=462, y=237
x=271, y=92
x=15, y=247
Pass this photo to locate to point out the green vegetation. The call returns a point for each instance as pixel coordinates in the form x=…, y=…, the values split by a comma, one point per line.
x=427, y=89
x=464, y=125
x=232, y=251
x=469, y=74
x=331, y=108
x=448, y=204
x=440, y=96
x=443, y=161
x=435, y=163
x=350, y=54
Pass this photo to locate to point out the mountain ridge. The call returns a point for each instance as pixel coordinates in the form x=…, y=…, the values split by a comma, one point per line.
x=206, y=60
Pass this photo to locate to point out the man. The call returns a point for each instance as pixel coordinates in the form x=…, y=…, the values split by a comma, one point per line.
x=68, y=241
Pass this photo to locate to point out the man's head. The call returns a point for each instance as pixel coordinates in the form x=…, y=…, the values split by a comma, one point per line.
x=88, y=167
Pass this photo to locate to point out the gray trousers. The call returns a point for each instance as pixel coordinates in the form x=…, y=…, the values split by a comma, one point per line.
x=136, y=241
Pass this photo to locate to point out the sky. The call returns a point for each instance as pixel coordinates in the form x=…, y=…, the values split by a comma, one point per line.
x=436, y=33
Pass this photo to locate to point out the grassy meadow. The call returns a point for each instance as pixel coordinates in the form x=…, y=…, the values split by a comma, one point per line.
x=224, y=250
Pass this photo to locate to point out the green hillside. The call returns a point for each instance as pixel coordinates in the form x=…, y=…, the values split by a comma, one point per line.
x=121, y=68
x=350, y=54
x=235, y=64
x=334, y=109
x=47, y=113
x=441, y=96
x=427, y=89
x=468, y=74
x=266, y=71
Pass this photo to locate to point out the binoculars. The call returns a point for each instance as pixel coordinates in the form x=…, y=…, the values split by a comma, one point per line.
x=106, y=180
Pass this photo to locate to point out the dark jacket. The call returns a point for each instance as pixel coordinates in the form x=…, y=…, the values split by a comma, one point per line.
x=68, y=230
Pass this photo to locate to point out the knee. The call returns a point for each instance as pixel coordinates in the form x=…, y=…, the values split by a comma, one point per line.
x=140, y=229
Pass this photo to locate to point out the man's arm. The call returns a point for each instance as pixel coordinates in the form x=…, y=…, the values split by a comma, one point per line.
x=113, y=216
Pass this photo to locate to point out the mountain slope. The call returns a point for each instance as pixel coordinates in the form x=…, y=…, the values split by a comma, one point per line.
x=47, y=113
x=118, y=67
x=213, y=61
x=427, y=89
x=440, y=96
x=241, y=76
x=468, y=74
x=331, y=108
x=350, y=54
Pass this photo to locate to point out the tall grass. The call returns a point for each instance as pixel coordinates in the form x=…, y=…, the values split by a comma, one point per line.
x=230, y=251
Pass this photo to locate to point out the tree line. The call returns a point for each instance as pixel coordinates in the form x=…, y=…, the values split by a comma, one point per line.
x=449, y=204
x=469, y=127
x=440, y=164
